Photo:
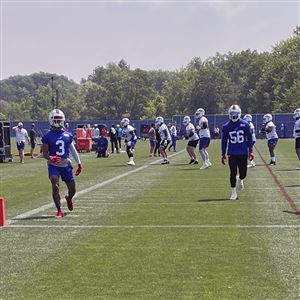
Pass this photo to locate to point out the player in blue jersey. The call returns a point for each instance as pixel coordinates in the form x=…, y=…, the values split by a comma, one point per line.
x=237, y=137
x=57, y=146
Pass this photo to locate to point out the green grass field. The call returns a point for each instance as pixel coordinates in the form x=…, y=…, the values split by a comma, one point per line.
x=153, y=231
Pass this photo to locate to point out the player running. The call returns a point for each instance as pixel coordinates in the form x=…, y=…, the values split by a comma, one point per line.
x=297, y=133
x=193, y=139
x=237, y=137
x=57, y=146
x=204, y=135
x=270, y=130
x=248, y=118
x=165, y=138
x=130, y=140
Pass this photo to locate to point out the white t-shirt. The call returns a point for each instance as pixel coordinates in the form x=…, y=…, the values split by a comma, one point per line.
x=173, y=130
x=190, y=128
x=203, y=132
x=96, y=132
x=297, y=127
x=21, y=135
x=272, y=134
x=128, y=133
x=162, y=129
x=252, y=130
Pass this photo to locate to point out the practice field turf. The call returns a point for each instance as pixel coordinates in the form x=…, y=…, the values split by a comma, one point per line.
x=154, y=231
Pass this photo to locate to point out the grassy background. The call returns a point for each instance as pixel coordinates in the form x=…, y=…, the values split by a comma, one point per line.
x=145, y=252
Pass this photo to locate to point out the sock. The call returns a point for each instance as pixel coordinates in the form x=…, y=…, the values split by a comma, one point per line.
x=202, y=153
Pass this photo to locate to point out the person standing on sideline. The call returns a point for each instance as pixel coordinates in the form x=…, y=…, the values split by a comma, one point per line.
x=204, y=135
x=32, y=135
x=152, y=139
x=130, y=140
x=297, y=133
x=237, y=137
x=173, y=132
x=248, y=118
x=21, y=136
x=113, y=139
x=57, y=145
x=193, y=139
x=270, y=130
x=119, y=136
x=165, y=138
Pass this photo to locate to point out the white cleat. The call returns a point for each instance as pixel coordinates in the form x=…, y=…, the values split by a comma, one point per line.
x=233, y=195
x=209, y=163
x=240, y=184
x=131, y=163
x=204, y=166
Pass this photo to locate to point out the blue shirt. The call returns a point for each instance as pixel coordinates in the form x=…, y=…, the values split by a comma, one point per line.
x=237, y=136
x=102, y=142
x=58, y=142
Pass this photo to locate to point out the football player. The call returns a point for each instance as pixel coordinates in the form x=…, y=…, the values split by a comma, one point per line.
x=236, y=135
x=269, y=129
x=193, y=139
x=204, y=135
x=297, y=133
x=57, y=146
x=248, y=118
x=165, y=138
x=130, y=140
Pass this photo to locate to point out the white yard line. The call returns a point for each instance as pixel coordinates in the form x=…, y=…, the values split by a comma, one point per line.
x=85, y=191
x=267, y=226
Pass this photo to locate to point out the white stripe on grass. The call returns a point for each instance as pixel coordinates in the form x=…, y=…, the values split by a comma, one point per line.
x=84, y=191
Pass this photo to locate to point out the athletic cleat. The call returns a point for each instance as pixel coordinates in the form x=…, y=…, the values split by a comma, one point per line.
x=195, y=162
x=240, y=184
x=204, y=166
x=298, y=168
x=69, y=203
x=131, y=163
x=272, y=163
x=233, y=196
x=165, y=162
x=209, y=163
x=191, y=161
x=59, y=214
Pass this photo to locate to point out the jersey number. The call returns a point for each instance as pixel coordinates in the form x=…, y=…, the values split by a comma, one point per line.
x=61, y=147
x=236, y=136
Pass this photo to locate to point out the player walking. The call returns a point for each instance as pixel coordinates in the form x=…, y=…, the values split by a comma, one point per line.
x=237, y=137
x=57, y=146
x=165, y=138
x=130, y=140
x=21, y=134
x=248, y=118
x=204, y=135
x=193, y=139
x=297, y=133
x=270, y=130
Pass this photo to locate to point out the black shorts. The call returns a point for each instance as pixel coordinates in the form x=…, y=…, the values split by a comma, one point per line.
x=193, y=143
x=162, y=144
x=297, y=143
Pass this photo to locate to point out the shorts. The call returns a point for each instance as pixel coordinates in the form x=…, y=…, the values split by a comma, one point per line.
x=297, y=143
x=164, y=145
x=20, y=146
x=204, y=143
x=193, y=143
x=153, y=143
x=32, y=144
x=66, y=173
x=272, y=142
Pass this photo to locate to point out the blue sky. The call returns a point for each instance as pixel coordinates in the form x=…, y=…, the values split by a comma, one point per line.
x=74, y=37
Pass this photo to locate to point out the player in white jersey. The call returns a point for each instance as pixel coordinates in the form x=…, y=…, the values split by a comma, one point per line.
x=165, y=137
x=248, y=118
x=297, y=133
x=193, y=139
x=21, y=135
x=204, y=135
x=269, y=129
x=130, y=140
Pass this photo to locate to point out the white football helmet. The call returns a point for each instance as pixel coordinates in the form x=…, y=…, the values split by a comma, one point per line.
x=248, y=118
x=159, y=120
x=267, y=118
x=125, y=122
x=234, y=113
x=186, y=120
x=57, y=118
x=296, y=114
x=200, y=112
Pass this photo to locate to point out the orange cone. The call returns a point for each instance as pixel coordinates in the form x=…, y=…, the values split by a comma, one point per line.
x=2, y=212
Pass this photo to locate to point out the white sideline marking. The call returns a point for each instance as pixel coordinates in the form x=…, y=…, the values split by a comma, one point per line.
x=87, y=190
x=271, y=226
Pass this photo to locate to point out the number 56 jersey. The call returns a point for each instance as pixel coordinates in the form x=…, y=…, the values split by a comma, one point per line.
x=237, y=136
x=58, y=142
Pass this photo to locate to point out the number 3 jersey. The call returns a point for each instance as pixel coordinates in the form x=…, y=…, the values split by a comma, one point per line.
x=237, y=136
x=59, y=144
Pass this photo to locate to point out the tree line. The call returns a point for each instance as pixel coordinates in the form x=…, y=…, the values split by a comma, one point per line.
x=267, y=82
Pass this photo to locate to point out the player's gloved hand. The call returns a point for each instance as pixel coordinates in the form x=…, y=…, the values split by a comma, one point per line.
x=223, y=159
x=165, y=143
x=78, y=171
x=129, y=143
x=251, y=156
x=55, y=159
